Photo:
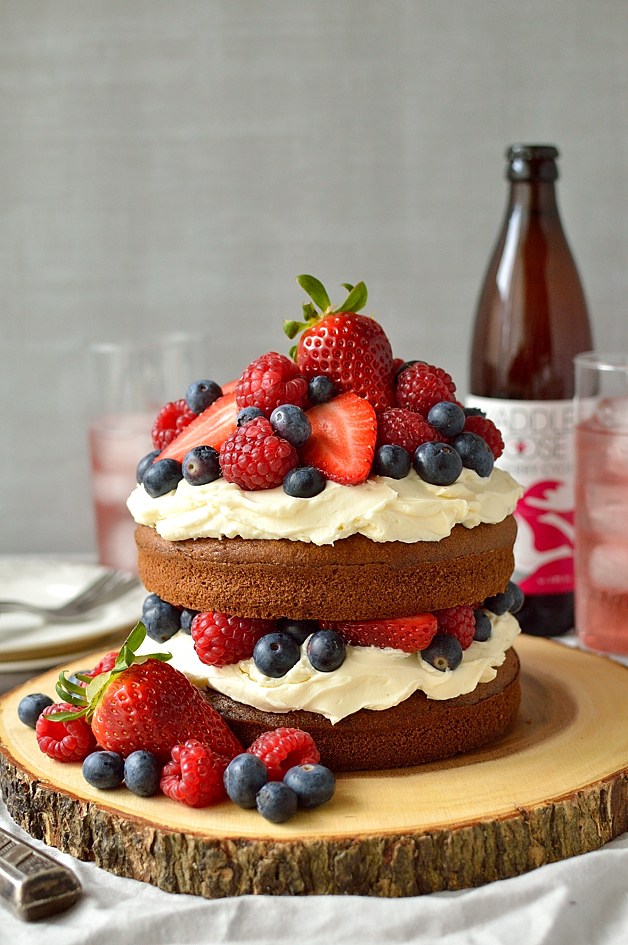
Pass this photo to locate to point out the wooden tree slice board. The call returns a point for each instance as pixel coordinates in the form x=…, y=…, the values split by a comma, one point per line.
x=554, y=787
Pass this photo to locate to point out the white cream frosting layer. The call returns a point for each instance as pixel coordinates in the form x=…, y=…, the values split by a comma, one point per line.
x=369, y=678
x=381, y=508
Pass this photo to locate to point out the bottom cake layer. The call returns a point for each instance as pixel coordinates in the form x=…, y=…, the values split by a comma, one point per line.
x=416, y=731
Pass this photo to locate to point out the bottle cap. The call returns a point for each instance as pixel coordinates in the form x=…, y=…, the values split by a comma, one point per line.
x=532, y=162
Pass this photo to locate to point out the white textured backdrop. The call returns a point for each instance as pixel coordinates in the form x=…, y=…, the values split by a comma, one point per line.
x=176, y=164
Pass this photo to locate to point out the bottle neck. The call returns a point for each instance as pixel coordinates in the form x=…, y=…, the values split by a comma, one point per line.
x=537, y=197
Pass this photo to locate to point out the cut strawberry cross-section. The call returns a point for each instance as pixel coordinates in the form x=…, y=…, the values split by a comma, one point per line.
x=342, y=444
x=210, y=428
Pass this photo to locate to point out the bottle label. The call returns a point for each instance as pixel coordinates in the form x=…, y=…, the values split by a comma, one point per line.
x=538, y=453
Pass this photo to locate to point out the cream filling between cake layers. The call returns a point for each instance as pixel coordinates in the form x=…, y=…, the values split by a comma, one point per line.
x=382, y=509
x=369, y=678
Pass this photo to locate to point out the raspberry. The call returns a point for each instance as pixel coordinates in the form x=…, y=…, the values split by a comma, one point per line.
x=195, y=775
x=458, y=622
x=171, y=419
x=409, y=634
x=255, y=458
x=72, y=740
x=404, y=428
x=220, y=639
x=104, y=665
x=418, y=388
x=488, y=431
x=270, y=381
x=283, y=748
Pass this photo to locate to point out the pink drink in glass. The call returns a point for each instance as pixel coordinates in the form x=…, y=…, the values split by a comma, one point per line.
x=601, y=551
x=117, y=443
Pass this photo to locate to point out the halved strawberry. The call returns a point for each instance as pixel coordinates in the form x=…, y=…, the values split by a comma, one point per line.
x=342, y=444
x=210, y=428
x=409, y=634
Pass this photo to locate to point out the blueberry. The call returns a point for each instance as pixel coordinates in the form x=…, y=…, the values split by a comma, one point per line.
x=201, y=394
x=501, y=603
x=185, y=619
x=299, y=629
x=291, y=423
x=104, y=769
x=201, y=465
x=326, y=650
x=407, y=364
x=518, y=597
x=446, y=417
x=473, y=412
x=276, y=802
x=483, y=627
x=244, y=776
x=321, y=389
x=161, y=619
x=31, y=707
x=312, y=784
x=144, y=463
x=437, y=463
x=475, y=453
x=444, y=652
x=162, y=477
x=247, y=414
x=275, y=653
x=150, y=601
x=392, y=461
x=304, y=482
x=142, y=771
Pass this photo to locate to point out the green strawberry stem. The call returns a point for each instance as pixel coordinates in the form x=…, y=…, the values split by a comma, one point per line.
x=86, y=698
x=355, y=301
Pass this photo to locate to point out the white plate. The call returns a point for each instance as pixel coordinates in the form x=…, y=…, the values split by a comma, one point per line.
x=28, y=642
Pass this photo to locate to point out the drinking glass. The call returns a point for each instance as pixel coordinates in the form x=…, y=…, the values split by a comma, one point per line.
x=601, y=480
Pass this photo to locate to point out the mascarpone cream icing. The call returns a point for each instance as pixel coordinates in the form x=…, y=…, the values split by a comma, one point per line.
x=381, y=509
x=369, y=678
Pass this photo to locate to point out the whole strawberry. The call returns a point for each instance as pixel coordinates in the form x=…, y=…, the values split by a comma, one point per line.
x=143, y=703
x=352, y=350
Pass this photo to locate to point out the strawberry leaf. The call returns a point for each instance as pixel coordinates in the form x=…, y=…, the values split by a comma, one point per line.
x=292, y=328
x=316, y=291
x=355, y=300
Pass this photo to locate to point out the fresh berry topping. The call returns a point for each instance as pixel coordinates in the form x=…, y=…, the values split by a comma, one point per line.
x=31, y=707
x=269, y=381
x=502, y=603
x=276, y=802
x=475, y=453
x=405, y=428
x=488, y=431
x=326, y=650
x=291, y=423
x=186, y=618
x=201, y=465
x=447, y=418
x=304, y=482
x=418, y=388
x=244, y=776
x=409, y=634
x=161, y=619
x=201, y=394
x=247, y=414
x=342, y=444
x=103, y=665
x=142, y=773
x=222, y=639
x=518, y=597
x=320, y=389
x=473, y=412
x=162, y=477
x=195, y=775
x=169, y=422
x=254, y=457
x=392, y=461
x=282, y=748
x=483, y=626
x=398, y=365
x=299, y=629
x=64, y=739
x=444, y=652
x=144, y=463
x=104, y=769
x=438, y=464
x=210, y=428
x=459, y=622
x=313, y=784
x=276, y=653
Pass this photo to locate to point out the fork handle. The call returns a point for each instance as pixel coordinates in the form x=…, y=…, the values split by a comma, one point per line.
x=20, y=607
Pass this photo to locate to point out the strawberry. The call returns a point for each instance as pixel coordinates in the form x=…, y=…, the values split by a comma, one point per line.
x=144, y=703
x=269, y=381
x=409, y=634
x=352, y=350
x=210, y=428
x=342, y=443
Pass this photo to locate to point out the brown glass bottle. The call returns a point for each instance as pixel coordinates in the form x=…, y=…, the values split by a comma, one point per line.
x=531, y=320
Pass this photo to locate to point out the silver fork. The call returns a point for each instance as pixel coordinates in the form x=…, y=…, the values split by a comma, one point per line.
x=105, y=589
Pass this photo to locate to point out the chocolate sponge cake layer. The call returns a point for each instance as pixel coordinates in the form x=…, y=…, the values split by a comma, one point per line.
x=353, y=578
x=416, y=731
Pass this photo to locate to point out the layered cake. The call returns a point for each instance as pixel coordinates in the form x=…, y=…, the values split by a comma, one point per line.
x=328, y=545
